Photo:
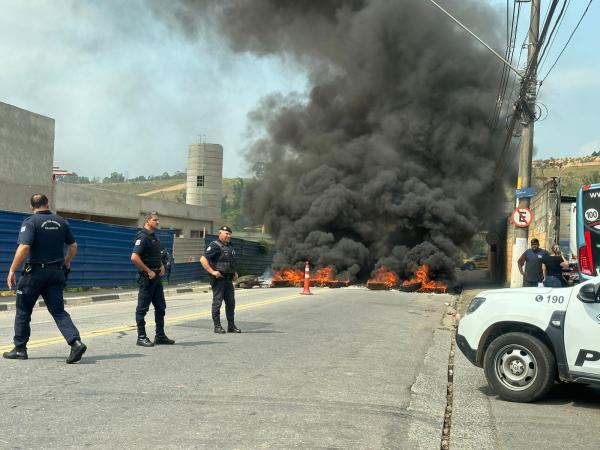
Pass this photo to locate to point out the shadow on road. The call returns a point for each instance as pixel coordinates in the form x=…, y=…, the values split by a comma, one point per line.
x=247, y=327
x=568, y=394
x=94, y=358
x=196, y=343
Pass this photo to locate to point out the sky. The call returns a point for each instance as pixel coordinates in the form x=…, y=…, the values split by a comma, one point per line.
x=129, y=94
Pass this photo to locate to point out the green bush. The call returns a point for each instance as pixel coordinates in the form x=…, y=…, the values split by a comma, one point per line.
x=263, y=246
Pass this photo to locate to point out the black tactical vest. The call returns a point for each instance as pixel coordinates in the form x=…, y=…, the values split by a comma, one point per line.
x=151, y=255
x=226, y=262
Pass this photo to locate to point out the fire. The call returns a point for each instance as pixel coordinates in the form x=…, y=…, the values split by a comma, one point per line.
x=288, y=277
x=426, y=285
x=383, y=278
x=323, y=276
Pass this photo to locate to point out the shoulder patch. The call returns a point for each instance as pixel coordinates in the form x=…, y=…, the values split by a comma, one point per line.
x=138, y=242
x=208, y=248
x=23, y=228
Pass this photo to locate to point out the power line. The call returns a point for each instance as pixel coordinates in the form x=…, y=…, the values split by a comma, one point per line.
x=566, y=44
x=522, y=103
x=552, y=36
x=509, y=54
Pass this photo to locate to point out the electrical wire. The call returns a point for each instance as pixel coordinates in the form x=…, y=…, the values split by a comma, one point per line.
x=509, y=55
x=566, y=44
x=553, y=34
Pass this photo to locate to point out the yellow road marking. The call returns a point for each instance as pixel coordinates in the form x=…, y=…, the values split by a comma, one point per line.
x=171, y=320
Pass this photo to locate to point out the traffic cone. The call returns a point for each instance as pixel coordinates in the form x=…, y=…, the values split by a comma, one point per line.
x=306, y=290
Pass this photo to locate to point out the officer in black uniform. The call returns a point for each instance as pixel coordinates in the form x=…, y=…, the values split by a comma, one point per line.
x=41, y=246
x=146, y=257
x=219, y=262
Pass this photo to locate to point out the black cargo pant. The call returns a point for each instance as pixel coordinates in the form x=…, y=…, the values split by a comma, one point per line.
x=150, y=292
x=223, y=290
x=49, y=283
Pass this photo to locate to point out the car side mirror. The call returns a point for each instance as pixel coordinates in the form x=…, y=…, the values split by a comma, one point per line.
x=589, y=293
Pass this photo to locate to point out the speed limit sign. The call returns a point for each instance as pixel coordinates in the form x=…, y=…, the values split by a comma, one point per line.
x=522, y=217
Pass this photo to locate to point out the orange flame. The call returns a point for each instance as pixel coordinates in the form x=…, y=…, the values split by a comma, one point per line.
x=323, y=275
x=427, y=285
x=384, y=276
x=291, y=275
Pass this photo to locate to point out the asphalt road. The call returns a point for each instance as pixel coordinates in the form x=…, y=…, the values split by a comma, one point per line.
x=344, y=368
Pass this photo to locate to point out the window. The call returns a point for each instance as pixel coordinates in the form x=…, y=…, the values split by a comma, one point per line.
x=200, y=180
x=194, y=233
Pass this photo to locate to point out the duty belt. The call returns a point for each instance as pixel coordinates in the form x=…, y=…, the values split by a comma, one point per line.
x=51, y=265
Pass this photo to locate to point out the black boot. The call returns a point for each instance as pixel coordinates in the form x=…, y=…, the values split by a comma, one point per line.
x=219, y=329
x=142, y=339
x=16, y=353
x=161, y=338
x=231, y=328
x=77, y=350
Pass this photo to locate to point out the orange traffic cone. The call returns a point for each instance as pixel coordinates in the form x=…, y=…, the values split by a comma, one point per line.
x=306, y=290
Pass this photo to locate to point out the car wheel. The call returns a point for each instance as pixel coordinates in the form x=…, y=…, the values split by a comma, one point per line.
x=244, y=286
x=519, y=367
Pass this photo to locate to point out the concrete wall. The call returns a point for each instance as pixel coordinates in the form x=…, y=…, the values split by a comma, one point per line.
x=88, y=203
x=544, y=206
x=26, y=160
x=26, y=156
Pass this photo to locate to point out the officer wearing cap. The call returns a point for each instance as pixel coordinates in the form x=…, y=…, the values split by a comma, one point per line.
x=42, y=238
x=219, y=262
x=147, y=258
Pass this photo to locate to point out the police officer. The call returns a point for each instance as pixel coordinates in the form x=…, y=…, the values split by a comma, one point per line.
x=41, y=246
x=219, y=262
x=146, y=257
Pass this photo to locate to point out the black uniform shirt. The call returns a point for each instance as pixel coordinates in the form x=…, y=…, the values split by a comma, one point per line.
x=143, y=241
x=213, y=252
x=46, y=233
x=143, y=247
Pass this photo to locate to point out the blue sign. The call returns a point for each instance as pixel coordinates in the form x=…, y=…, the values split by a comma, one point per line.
x=524, y=193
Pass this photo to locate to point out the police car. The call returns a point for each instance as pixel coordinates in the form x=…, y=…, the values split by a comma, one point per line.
x=526, y=339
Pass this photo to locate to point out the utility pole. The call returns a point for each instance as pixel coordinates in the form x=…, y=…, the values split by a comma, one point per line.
x=526, y=145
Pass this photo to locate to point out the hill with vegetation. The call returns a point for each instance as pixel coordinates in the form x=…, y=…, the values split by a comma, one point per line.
x=573, y=172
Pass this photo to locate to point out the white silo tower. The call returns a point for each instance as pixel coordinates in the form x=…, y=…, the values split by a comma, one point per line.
x=205, y=175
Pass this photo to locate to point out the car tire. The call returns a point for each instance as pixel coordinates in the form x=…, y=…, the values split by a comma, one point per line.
x=519, y=367
x=244, y=286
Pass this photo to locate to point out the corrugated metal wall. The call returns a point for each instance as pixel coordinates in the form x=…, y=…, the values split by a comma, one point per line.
x=103, y=256
x=104, y=251
x=187, y=250
x=250, y=259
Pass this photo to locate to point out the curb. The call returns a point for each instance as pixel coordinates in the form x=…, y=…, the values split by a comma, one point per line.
x=101, y=298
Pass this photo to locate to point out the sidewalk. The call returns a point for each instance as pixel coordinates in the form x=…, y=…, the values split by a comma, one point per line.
x=96, y=295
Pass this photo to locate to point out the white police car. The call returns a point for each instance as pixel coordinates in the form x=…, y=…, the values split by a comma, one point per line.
x=526, y=339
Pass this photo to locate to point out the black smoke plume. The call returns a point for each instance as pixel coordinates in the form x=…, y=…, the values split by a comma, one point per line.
x=388, y=158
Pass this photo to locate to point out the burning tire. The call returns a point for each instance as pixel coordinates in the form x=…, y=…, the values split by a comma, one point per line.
x=410, y=287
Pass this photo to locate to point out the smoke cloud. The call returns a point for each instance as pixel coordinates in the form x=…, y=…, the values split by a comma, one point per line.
x=388, y=158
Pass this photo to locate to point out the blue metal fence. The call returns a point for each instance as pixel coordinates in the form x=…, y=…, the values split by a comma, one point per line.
x=104, y=251
x=103, y=256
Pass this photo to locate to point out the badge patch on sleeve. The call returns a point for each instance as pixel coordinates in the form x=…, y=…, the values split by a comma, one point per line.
x=138, y=242
x=208, y=248
x=23, y=228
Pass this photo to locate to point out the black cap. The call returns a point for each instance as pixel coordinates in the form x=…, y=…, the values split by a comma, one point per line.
x=225, y=228
x=535, y=241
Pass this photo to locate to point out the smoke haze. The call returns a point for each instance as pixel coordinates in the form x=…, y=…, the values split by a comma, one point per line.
x=388, y=158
